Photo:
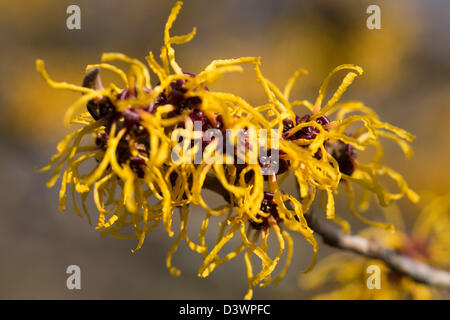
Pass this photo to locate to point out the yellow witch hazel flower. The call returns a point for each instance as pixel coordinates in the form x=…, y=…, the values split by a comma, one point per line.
x=428, y=242
x=330, y=143
x=156, y=147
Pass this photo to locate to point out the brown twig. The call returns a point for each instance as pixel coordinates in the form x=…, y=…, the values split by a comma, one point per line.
x=333, y=236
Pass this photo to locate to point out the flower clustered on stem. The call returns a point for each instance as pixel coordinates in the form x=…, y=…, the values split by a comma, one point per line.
x=135, y=183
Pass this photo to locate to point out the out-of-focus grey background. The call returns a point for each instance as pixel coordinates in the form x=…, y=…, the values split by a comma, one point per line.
x=406, y=80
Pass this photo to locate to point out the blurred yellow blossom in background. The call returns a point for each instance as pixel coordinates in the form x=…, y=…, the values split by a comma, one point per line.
x=427, y=242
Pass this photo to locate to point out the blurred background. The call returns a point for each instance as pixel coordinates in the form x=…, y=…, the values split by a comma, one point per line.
x=406, y=80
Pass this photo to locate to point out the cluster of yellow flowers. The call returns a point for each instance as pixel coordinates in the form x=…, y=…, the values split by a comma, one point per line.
x=136, y=185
